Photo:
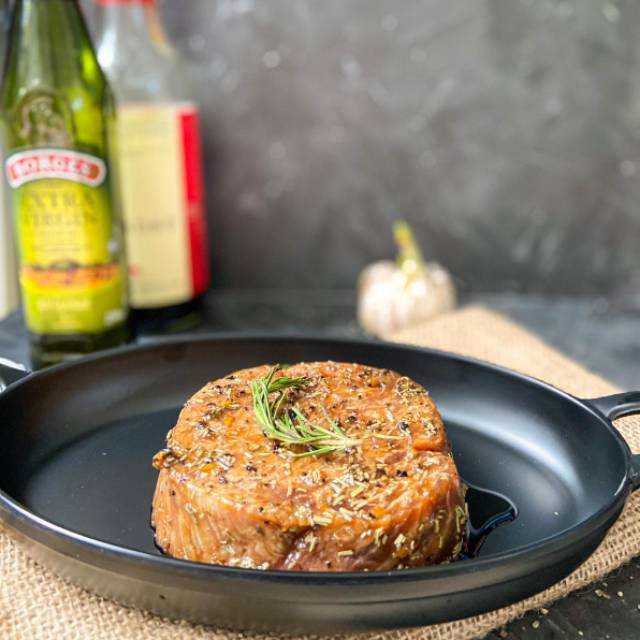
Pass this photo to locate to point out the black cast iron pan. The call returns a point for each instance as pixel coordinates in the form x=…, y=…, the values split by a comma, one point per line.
x=76, y=484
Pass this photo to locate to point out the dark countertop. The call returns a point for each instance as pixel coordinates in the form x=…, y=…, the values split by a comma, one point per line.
x=603, y=337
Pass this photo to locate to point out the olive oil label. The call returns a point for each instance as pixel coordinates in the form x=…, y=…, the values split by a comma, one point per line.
x=70, y=276
x=162, y=201
x=26, y=166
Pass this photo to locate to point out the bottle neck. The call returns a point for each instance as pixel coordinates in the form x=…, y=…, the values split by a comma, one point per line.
x=42, y=34
x=120, y=24
x=27, y=13
x=126, y=16
x=124, y=24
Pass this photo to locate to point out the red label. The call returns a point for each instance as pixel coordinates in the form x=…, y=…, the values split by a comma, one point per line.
x=163, y=202
x=26, y=166
x=194, y=194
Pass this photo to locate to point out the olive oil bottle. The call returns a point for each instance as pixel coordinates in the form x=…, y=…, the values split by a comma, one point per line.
x=57, y=115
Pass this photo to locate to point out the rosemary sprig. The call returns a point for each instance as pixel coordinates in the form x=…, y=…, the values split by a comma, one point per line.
x=290, y=426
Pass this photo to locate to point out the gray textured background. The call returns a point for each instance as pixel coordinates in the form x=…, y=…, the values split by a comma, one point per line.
x=506, y=131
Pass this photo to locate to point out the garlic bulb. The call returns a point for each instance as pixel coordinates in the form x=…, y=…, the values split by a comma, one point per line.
x=392, y=296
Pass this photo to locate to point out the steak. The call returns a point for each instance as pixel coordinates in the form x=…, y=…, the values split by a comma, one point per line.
x=228, y=494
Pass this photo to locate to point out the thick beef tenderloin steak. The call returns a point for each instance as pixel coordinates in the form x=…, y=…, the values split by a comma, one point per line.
x=228, y=494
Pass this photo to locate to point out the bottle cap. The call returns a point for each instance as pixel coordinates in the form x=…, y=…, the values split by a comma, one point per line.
x=148, y=2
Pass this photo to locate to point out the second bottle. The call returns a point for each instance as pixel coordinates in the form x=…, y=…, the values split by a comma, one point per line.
x=160, y=170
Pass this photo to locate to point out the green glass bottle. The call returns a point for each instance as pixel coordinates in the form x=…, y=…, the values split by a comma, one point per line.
x=57, y=115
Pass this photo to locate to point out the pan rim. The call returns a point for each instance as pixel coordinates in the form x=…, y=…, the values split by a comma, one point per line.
x=13, y=512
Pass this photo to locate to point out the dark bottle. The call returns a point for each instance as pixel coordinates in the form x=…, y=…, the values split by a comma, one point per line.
x=159, y=158
x=8, y=279
x=57, y=116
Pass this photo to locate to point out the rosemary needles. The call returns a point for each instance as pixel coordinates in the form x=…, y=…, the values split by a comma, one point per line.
x=289, y=425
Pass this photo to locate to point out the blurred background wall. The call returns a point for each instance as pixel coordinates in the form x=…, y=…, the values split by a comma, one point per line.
x=506, y=131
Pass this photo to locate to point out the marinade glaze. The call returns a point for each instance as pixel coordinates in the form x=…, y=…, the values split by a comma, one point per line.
x=227, y=494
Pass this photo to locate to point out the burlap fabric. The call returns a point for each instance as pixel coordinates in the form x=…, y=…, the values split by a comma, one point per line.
x=34, y=604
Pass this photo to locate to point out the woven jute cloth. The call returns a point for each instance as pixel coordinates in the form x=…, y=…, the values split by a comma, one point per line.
x=36, y=604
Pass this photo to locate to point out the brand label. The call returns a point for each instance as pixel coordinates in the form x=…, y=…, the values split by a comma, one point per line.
x=162, y=197
x=69, y=247
x=39, y=164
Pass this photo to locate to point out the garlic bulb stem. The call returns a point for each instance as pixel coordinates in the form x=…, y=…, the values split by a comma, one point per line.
x=409, y=258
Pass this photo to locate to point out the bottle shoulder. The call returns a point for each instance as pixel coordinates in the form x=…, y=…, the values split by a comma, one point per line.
x=54, y=96
x=82, y=81
x=39, y=113
x=136, y=55
x=145, y=74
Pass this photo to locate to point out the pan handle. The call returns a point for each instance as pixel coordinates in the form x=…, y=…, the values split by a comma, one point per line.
x=618, y=406
x=11, y=372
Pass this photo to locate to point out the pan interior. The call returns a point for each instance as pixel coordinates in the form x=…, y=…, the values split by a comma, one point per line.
x=82, y=438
